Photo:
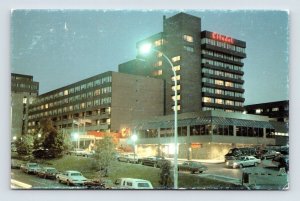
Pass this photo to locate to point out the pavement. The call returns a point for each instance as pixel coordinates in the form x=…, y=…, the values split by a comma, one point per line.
x=213, y=161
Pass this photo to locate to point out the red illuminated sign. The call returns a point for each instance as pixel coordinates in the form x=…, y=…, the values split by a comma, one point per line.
x=221, y=38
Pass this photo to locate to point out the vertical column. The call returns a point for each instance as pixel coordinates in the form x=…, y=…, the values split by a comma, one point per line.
x=234, y=130
x=188, y=143
x=159, y=143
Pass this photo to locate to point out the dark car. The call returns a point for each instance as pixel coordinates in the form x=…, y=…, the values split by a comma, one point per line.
x=155, y=161
x=266, y=154
x=43, y=153
x=192, y=166
x=281, y=161
x=47, y=172
x=234, y=153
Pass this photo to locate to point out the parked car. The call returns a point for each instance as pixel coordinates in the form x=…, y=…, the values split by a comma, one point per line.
x=71, y=177
x=132, y=183
x=234, y=153
x=243, y=161
x=129, y=158
x=43, y=153
x=266, y=154
x=15, y=164
x=155, y=161
x=81, y=152
x=30, y=168
x=281, y=161
x=47, y=172
x=192, y=166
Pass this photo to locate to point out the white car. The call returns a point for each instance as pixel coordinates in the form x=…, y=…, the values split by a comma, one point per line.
x=243, y=161
x=129, y=158
x=132, y=183
x=71, y=177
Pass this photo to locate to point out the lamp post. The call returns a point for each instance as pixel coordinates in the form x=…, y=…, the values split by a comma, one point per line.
x=144, y=49
x=134, y=139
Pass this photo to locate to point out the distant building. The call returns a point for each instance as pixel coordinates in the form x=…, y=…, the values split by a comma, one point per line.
x=23, y=91
x=278, y=110
x=209, y=66
x=99, y=103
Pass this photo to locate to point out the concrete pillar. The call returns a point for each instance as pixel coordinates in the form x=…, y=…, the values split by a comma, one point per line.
x=188, y=142
x=234, y=130
x=159, y=143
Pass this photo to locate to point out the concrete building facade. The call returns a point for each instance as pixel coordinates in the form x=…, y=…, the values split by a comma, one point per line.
x=209, y=66
x=23, y=91
x=99, y=103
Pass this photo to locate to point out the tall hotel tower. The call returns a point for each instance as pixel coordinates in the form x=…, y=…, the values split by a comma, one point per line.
x=209, y=66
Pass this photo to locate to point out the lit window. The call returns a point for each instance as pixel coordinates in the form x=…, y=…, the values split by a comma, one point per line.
x=219, y=101
x=219, y=91
x=157, y=72
x=178, y=87
x=228, y=84
x=159, y=54
x=178, y=107
x=178, y=97
x=108, y=121
x=66, y=92
x=24, y=100
x=188, y=38
x=177, y=58
x=82, y=105
x=207, y=100
x=275, y=109
x=158, y=42
x=229, y=102
x=46, y=106
x=177, y=78
x=176, y=68
x=158, y=63
x=219, y=82
x=258, y=111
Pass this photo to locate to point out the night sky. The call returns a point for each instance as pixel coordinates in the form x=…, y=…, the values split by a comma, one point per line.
x=60, y=47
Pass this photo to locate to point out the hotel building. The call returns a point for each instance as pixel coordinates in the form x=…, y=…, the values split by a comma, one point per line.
x=209, y=68
x=99, y=103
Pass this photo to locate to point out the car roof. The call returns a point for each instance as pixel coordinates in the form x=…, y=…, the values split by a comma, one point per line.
x=73, y=171
x=135, y=179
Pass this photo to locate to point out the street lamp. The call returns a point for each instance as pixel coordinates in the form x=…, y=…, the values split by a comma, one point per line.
x=134, y=139
x=144, y=49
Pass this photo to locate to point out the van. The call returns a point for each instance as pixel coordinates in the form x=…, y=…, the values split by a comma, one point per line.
x=132, y=183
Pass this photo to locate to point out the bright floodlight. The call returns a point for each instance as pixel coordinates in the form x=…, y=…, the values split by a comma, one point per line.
x=134, y=137
x=145, y=48
x=75, y=136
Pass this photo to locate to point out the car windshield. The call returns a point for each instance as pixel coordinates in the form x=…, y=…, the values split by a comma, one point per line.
x=75, y=174
x=33, y=165
x=51, y=170
x=143, y=184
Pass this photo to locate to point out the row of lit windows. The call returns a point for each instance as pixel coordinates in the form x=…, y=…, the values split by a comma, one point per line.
x=221, y=101
x=71, y=99
x=106, y=100
x=221, y=92
x=221, y=64
x=219, y=55
x=221, y=73
x=76, y=89
x=222, y=44
x=222, y=83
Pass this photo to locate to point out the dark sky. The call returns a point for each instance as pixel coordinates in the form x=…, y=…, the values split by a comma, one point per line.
x=60, y=47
